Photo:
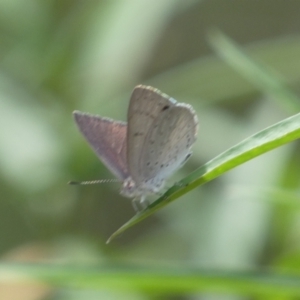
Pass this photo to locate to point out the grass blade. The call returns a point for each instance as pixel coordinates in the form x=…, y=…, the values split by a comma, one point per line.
x=261, y=76
x=177, y=279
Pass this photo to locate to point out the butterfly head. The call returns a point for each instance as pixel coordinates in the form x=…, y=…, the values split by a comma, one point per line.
x=131, y=189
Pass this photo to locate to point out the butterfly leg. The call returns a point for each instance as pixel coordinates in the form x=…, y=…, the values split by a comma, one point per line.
x=140, y=204
x=135, y=204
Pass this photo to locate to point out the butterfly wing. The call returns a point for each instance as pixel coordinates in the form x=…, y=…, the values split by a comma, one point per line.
x=107, y=138
x=168, y=144
x=146, y=104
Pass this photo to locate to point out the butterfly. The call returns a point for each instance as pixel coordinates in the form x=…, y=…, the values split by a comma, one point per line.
x=145, y=151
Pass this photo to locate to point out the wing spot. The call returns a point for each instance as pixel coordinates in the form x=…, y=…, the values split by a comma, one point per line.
x=165, y=107
x=188, y=156
x=138, y=134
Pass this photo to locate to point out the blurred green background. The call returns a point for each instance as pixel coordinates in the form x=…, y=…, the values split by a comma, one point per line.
x=58, y=56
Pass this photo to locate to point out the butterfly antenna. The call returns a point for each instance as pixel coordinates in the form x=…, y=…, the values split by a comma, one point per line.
x=93, y=181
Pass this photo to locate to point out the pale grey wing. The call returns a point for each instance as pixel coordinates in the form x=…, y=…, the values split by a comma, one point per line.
x=168, y=144
x=146, y=104
x=107, y=138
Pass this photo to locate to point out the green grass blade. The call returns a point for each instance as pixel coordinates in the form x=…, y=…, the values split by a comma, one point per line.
x=261, y=76
x=270, y=138
x=177, y=280
x=215, y=80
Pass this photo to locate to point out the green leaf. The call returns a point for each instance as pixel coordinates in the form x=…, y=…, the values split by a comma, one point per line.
x=270, y=138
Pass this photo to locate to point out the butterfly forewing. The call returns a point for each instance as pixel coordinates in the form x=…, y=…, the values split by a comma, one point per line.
x=107, y=138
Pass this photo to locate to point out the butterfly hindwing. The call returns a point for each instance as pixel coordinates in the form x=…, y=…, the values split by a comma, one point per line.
x=168, y=143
